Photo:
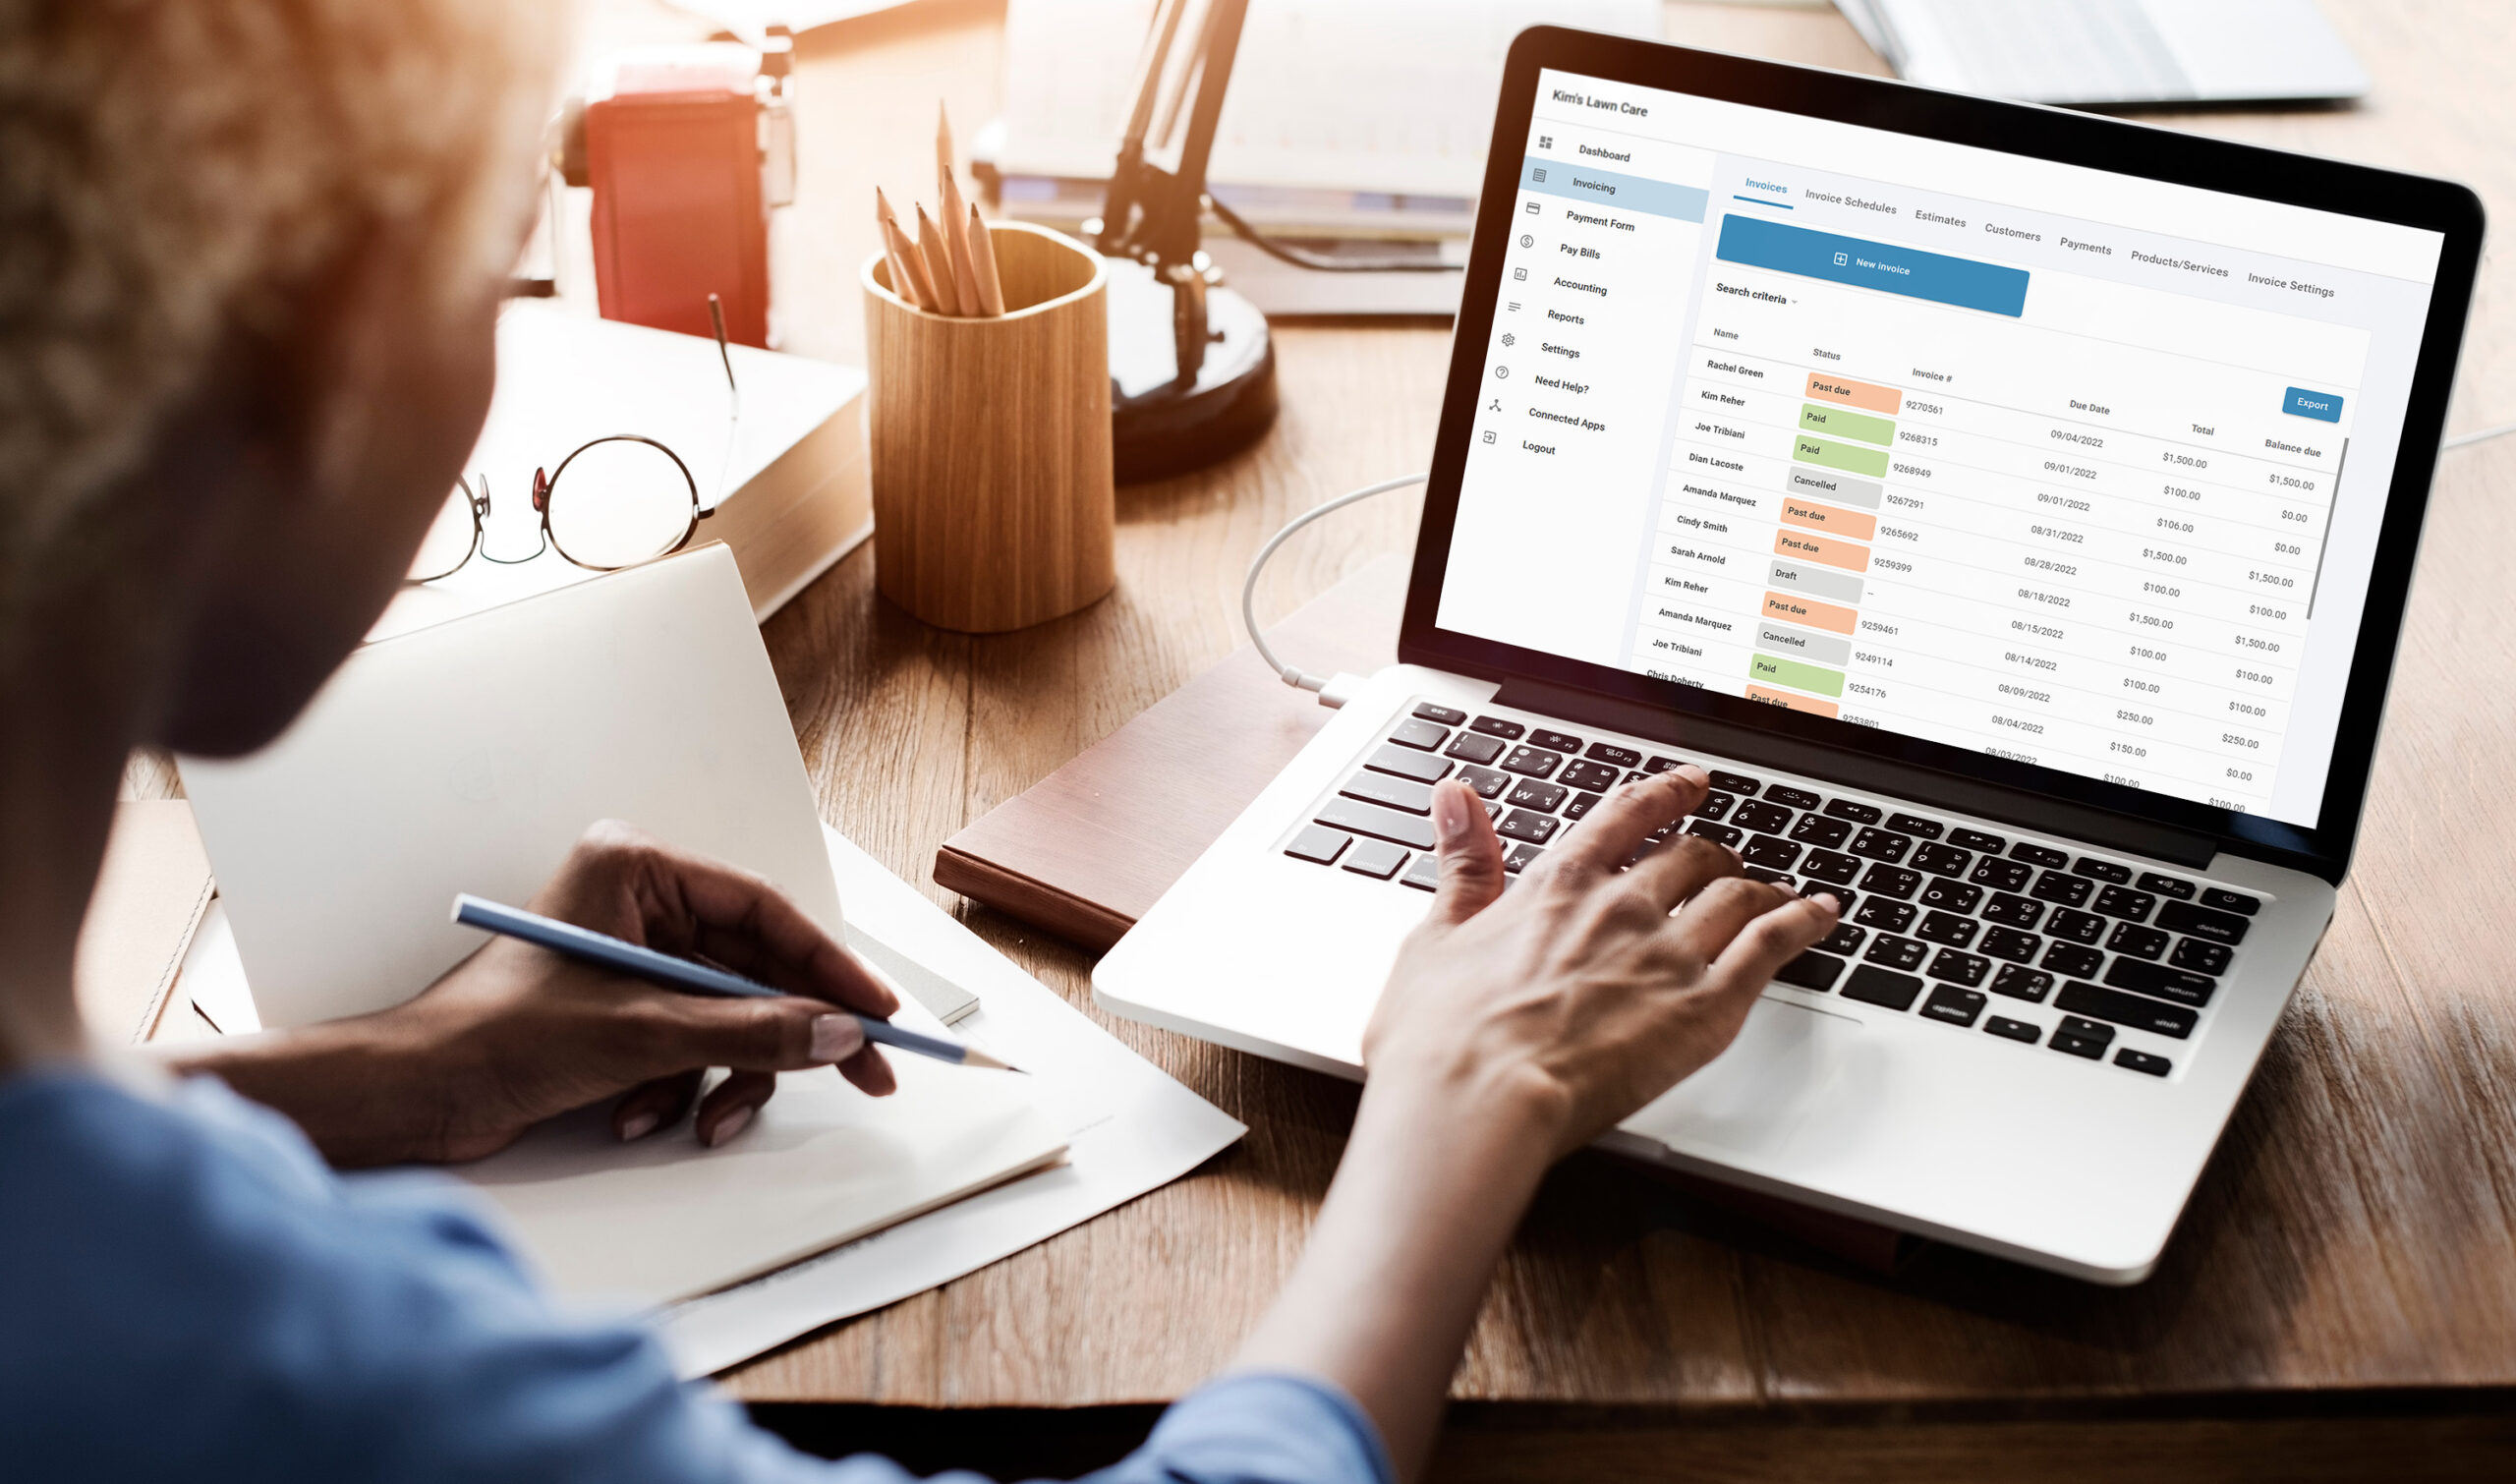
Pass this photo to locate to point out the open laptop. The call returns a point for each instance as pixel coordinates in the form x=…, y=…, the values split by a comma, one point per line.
x=2011, y=508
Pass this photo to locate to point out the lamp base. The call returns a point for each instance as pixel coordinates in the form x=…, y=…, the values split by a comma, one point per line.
x=1162, y=423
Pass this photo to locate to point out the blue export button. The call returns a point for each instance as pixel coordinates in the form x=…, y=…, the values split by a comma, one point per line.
x=2322, y=406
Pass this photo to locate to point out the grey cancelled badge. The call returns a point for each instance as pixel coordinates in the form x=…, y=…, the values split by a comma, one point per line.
x=1843, y=490
x=1776, y=639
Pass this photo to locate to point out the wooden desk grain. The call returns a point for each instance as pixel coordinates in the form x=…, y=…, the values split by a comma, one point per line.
x=2353, y=1235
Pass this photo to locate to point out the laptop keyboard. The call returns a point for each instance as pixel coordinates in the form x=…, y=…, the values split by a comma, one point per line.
x=2028, y=940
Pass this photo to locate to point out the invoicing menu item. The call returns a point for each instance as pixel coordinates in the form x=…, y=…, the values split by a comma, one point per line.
x=2044, y=463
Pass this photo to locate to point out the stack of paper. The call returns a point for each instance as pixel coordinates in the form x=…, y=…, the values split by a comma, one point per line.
x=469, y=757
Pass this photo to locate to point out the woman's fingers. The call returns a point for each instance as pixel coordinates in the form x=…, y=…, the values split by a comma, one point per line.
x=1617, y=824
x=1682, y=869
x=1769, y=939
x=1716, y=914
x=1471, y=853
x=683, y=902
x=729, y=1109
x=871, y=1073
x=782, y=1034
x=758, y=1039
x=651, y=1106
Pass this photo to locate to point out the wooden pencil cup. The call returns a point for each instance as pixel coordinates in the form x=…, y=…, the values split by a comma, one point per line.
x=993, y=502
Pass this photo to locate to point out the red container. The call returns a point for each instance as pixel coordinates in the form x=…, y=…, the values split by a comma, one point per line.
x=673, y=153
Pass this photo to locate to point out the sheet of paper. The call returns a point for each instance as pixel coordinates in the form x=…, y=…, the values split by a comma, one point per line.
x=1130, y=1128
x=663, y=1218
x=1397, y=96
x=213, y=976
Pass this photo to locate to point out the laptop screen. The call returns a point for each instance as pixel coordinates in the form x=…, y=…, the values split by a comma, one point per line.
x=2078, y=468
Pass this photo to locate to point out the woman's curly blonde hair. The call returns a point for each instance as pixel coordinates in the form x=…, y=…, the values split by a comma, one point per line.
x=170, y=169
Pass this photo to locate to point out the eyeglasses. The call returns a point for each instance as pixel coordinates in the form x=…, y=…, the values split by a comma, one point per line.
x=614, y=502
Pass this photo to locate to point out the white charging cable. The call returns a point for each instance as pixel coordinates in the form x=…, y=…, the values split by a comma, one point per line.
x=2482, y=436
x=1333, y=690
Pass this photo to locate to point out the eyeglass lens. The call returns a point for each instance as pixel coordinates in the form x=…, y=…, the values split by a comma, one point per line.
x=450, y=539
x=617, y=502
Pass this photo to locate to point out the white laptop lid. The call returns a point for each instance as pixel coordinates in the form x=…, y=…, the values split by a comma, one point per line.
x=470, y=757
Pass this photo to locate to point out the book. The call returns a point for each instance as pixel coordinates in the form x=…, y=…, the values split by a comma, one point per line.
x=783, y=459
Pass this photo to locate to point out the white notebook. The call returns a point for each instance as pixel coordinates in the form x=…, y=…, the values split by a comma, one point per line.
x=469, y=757
x=664, y=1220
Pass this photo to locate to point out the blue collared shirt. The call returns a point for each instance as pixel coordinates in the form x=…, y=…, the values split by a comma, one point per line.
x=187, y=1291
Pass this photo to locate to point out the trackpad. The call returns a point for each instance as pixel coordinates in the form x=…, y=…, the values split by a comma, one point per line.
x=1786, y=1062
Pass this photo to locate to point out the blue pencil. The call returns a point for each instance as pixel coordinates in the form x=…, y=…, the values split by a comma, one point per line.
x=687, y=977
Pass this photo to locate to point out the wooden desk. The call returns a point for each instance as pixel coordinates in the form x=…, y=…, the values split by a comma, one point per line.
x=2344, y=1284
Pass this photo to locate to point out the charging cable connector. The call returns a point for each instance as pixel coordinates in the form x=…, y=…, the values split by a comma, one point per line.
x=1332, y=690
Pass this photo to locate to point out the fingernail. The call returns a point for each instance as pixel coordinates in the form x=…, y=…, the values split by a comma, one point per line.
x=732, y=1123
x=638, y=1127
x=835, y=1038
x=1450, y=813
x=1691, y=774
x=1831, y=902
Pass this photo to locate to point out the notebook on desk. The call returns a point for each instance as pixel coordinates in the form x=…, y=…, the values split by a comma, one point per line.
x=1087, y=849
x=470, y=757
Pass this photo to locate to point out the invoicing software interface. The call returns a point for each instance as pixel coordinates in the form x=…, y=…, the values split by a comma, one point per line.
x=2045, y=462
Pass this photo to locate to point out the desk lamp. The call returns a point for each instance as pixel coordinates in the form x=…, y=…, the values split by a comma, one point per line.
x=1192, y=368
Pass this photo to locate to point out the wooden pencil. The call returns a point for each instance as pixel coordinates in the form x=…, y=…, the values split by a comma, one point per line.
x=949, y=212
x=933, y=245
x=965, y=270
x=983, y=261
x=887, y=226
x=916, y=287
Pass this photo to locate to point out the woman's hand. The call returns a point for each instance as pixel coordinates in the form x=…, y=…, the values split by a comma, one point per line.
x=1515, y=1026
x=1577, y=998
x=516, y=1034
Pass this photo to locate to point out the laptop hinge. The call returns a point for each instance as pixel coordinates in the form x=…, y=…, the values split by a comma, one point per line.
x=1922, y=785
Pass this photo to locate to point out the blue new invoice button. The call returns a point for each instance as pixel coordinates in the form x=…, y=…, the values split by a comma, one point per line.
x=2322, y=406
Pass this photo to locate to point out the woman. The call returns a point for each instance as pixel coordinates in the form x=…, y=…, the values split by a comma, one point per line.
x=246, y=289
